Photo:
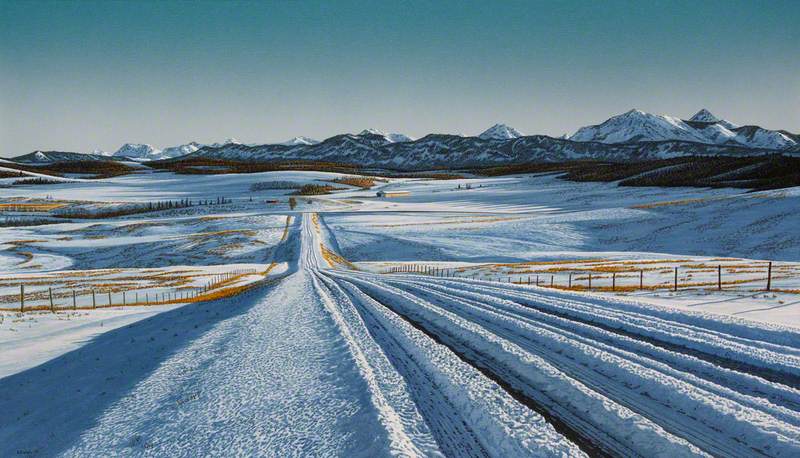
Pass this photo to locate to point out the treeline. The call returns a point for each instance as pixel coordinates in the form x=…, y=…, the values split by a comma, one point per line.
x=21, y=222
x=208, y=166
x=83, y=213
x=752, y=172
x=270, y=185
x=360, y=182
x=315, y=190
x=36, y=181
x=8, y=174
x=99, y=169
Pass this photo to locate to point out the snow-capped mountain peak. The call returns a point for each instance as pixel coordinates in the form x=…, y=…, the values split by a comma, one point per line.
x=300, y=141
x=636, y=125
x=180, y=150
x=390, y=137
x=500, y=132
x=137, y=151
x=704, y=116
x=228, y=141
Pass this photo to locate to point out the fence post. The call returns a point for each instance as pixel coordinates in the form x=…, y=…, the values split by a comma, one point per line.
x=590, y=281
x=109, y=298
x=570, y=281
x=769, y=276
x=74, y=302
x=719, y=277
x=676, y=280
x=613, y=281
x=537, y=280
x=124, y=301
x=551, y=280
x=50, y=293
x=94, y=301
x=641, y=279
x=21, y=298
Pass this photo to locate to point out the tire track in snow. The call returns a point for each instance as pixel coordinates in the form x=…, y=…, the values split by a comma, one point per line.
x=703, y=417
x=768, y=361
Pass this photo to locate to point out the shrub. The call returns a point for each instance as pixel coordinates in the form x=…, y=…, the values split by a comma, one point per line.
x=315, y=190
x=267, y=185
x=36, y=181
x=360, y=182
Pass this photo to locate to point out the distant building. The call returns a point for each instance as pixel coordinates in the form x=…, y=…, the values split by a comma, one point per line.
x=393, y=193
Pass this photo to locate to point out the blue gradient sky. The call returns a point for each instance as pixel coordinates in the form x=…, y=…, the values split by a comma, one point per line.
x=86, y=75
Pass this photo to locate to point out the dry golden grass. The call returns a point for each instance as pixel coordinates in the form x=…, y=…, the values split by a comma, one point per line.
x=359, y=182
x=205, y=235
x=31, y=207
x=672, y=202
x=335, y=259
x=474, y=220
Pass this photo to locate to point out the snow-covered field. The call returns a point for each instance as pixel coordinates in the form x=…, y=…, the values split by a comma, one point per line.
x=353, y=325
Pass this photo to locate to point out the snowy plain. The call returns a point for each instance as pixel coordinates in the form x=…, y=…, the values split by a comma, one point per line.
x=328, y=350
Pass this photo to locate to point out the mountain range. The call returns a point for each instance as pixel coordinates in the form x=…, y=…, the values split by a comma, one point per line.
x=634, y=135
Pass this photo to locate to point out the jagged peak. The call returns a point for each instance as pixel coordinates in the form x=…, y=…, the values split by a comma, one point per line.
x=300, y=141
x=704, y=116
x=500, y=132
x=391, y=137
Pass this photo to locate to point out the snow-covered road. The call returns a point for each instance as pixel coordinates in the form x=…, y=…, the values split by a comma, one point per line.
x=336, y=362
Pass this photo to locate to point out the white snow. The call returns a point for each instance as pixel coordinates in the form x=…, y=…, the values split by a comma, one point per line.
x=328, y=355
x=300, y=141
x=636, y=125
x=389, y=137
x=500, y=132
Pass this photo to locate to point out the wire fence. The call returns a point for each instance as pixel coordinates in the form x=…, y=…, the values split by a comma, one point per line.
x=627, y=280
x=218, y=285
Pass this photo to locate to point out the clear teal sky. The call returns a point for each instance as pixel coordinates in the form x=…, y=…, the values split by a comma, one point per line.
x=86, y=75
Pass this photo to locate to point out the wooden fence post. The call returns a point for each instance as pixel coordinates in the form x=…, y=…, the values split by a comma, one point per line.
x=50, y=293
x=537, y=280
x=124, y=301
x=74, y=302
x=109, y=298
x=676, y=280
x=94, y=301
x=613, y=281
x=21, y=298
x=719, y=277
x=641, y=279
x=590, y=281
x=551, y=280
x=769, y=276
x=569, y=285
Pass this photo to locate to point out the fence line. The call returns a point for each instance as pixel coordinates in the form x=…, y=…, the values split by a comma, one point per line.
x=452, y=272
x=203, y=292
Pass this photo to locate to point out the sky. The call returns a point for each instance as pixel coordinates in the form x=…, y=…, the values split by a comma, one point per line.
x=85, y=75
